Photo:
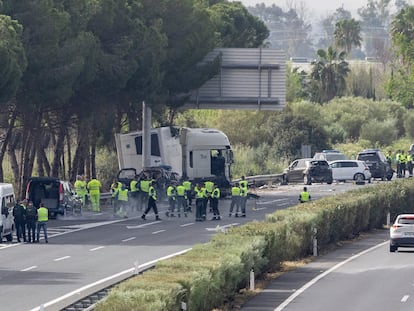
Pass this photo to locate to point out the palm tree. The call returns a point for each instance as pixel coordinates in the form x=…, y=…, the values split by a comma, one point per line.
x=347, y=34
x=328, y=74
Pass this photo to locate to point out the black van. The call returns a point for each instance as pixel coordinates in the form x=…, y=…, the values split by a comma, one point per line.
x=58, y=196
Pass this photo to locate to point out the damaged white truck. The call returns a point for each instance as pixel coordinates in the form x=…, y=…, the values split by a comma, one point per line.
x=196, y=154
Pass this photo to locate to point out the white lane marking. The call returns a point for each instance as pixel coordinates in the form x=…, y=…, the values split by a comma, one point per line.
x=29, y=268
x=281, y=204
x=270, y=202
x=159, y=231
x=109, y=280
x=9, y=245
x=405, y=298
x=185, y=225
x=96, y=248
x=143, y=225
x=221, y=228
x=258, y=209
x=292, y=297
x=62, y=258
x=129, y=239
x=278, y=290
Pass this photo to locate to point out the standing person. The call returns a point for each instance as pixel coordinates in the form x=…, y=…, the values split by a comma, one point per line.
x=304, y=196
x=171, y=196
x=19, y=213
x=403, y=162
x=215, y=196
x=144, y=185
x=244, y=193
x=410, y=164
x=94, y=187
x=115, y=186
x=80, y=189
x=189, y=193
x=122, y=197
x=181, y=200
x=42, y=219
x=134, y=193
x=235, y=199
x=389, y=157
x=152, y=202
x=31, y=217
x=398, y=163
x=208, y=185
x=200, y=198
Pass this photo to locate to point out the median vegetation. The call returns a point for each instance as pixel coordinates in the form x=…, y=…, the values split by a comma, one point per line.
x=211, y=274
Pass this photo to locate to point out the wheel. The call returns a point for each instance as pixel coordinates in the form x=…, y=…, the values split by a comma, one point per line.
x=359, y=179
x=393, y=248
x=329, y=181
x=307, y=180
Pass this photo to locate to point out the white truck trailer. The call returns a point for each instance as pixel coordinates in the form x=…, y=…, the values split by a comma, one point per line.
x=194, y=153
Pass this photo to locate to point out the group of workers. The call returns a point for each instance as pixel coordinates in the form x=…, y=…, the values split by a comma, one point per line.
x=403, y=162
x=89, y=191
x=141, y=195
x=29, y=218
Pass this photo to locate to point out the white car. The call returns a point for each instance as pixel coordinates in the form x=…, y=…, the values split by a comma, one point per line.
x=402, y=232
x=343, y=170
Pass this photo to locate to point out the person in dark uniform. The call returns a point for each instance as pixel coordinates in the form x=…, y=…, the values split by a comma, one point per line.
x=152, y=199
x=19, y=214
x=31, y=217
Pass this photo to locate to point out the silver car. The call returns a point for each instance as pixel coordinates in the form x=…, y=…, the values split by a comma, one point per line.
x=402, y=232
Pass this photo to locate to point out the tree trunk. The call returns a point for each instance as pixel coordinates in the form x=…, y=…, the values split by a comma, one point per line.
x=10, y=127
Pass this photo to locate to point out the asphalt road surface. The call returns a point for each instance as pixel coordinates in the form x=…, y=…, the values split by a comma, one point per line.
x=84, y=250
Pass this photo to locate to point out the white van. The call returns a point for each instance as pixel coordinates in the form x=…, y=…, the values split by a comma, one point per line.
x=7, y=201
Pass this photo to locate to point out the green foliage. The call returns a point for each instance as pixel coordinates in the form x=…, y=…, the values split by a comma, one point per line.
x=409, y=124
x=347, y=33
x=236, y=27
x=328, y=75
x=379, y=133
x=106, y=167
x=12, y=57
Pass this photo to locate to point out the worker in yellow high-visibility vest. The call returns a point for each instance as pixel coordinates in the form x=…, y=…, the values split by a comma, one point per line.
x=94, y=188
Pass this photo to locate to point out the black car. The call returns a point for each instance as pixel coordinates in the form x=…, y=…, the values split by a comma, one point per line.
x=57, y=195
x=377, y=163
x=307, y=171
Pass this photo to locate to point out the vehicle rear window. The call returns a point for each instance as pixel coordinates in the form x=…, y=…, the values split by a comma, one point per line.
x=406, y=221
x=368, y=157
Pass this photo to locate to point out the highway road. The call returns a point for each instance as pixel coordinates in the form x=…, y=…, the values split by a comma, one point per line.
x=83, y=251
x=372, y=279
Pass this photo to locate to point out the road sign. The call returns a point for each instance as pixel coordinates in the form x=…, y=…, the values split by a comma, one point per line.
x=249, y=79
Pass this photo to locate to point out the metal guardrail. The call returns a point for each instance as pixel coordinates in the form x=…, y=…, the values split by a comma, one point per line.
x=259, y=180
